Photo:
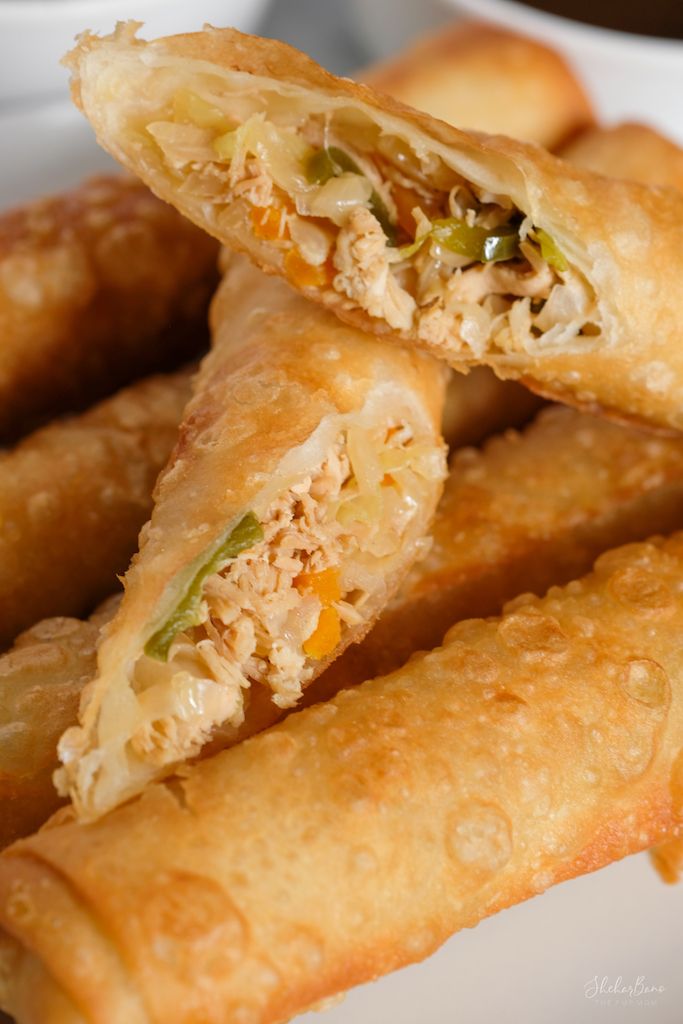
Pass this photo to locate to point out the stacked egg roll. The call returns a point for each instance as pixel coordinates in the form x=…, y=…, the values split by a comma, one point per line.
x=98, y=286
x=483, y=78
x=528, y=749
x=41, y=681
x=307, y=471
x=477, y=248
x=78, y=490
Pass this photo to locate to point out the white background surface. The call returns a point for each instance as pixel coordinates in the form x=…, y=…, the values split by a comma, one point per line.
x=530, y=964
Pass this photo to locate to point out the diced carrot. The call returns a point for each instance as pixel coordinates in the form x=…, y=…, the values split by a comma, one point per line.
x=268, y=223
x=325, y=585
x=325, y=636
x=305, y=275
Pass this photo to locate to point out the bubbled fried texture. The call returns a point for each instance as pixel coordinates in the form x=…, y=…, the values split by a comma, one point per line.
x=479, y=77
x=41, y=679
x=73, y=497
x=529, y=510
x=98, y=286
x=356, y=836
x=633, y=151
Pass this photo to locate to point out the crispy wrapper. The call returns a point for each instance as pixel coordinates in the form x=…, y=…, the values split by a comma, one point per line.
x=668, y=859
x=633, y=151
x=527, y=511
x=589, y=313
x=79, y=490
x=317, y=452
x=355, y=837
x=482, y=78
x=41, y=680
x=98, y=286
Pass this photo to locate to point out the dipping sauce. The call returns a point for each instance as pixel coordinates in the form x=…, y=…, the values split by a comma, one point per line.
x=662, y=18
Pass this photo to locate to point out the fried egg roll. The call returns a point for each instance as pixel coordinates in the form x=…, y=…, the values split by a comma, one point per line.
x=73, y=497
x=355, y=837
x=632, y=151
x=483, y=78
x=41, y=679
x=527, y=511
x=479, y=249
x=305, y=478
x=98, y=286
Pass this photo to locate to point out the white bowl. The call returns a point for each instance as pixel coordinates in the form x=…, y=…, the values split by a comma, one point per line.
x=629, y=77
x=35, y=34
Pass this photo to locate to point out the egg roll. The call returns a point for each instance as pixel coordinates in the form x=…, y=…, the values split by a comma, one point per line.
x=355, y=837
x=73, y=497
x=479, y=249
x=481, y=77
x=527, y=511
x=307, y=471
x=633, y=151
x=98, y=286
x=41, y=679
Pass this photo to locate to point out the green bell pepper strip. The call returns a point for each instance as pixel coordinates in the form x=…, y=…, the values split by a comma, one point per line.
x=331, y=162
x=550, y=251
x=481, y=245
x=246, y=534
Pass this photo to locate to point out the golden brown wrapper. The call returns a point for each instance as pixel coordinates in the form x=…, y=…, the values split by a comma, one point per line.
x=356, y=836
x=73, y=497
x=98, y=286
x=481, y=77
x=633, y=151
x=41, y=679
x=621, y=238
x=668, y=859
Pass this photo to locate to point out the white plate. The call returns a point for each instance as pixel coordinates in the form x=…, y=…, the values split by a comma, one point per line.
x=46, y=149
x=543, y=961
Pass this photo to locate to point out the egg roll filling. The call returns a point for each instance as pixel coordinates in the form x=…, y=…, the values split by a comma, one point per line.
x=290, y=584
x=350, y=207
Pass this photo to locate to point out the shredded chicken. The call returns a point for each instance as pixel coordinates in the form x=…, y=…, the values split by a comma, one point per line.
x=365, y=274
x=257, y=618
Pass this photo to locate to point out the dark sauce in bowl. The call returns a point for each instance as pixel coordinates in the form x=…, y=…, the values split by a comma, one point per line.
x=663, y=18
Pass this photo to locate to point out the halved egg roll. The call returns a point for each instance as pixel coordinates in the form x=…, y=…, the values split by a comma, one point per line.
x=528, y=511
x=477, y=248
x=306, y=475
x=481, y=77
x=357, y=836
x=98, y=286
x=73, y=497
